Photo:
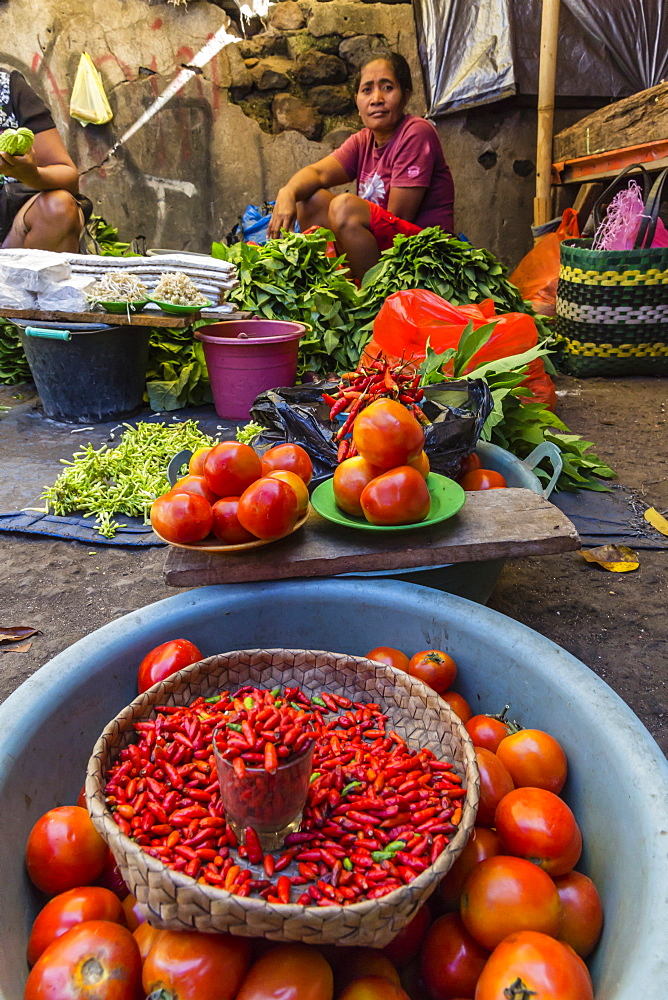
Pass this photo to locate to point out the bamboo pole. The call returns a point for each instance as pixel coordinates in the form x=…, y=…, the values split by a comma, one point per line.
x=542, y=204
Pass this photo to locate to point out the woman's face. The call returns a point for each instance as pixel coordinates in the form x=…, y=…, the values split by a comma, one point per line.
x=380, y=101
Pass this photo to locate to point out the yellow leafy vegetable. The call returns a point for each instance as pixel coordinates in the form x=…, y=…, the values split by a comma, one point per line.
x=16, y=141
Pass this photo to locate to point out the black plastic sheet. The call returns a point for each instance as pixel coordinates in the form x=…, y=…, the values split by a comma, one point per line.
x=457, y=411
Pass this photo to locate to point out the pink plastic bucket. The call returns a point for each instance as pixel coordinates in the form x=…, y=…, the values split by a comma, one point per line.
x=247, y=356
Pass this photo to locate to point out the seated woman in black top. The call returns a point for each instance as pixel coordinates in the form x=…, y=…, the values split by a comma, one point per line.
x=39, y=198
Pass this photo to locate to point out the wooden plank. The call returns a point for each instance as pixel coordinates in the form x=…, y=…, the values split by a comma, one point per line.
x=641, y=118
x=492, y=524
x=116, y=319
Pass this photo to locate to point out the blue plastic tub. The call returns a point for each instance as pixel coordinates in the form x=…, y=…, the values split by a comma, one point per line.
x=618, y=784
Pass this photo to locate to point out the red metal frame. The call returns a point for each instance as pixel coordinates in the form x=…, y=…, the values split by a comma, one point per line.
x=610, y=162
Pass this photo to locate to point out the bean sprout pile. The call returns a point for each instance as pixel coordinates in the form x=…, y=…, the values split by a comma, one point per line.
x=178, y=289
x=118, y=286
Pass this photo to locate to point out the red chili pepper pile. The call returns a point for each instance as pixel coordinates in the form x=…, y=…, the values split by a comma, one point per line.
x=377, y=813
x=378, y=380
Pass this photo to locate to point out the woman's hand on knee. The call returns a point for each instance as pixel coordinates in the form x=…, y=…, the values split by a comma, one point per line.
x=283, y=216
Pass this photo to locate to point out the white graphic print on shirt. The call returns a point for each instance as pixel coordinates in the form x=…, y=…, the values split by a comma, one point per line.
x=372, y=188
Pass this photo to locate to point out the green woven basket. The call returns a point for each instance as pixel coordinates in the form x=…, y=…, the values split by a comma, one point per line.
x=612, y=310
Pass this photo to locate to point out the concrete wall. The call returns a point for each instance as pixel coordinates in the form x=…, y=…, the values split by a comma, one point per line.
x=185, y=177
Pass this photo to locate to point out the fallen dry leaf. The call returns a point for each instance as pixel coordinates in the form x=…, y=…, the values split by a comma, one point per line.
x=14, y=633
x=17, y=649
x=616, y=558
x=657, y=520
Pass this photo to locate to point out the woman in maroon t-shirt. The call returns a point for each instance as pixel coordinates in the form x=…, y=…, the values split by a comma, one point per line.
x=403, y=181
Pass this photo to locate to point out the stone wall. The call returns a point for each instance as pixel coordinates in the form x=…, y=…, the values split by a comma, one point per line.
x=257, y=112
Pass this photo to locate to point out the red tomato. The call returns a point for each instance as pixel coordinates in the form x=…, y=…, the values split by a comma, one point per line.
x=181, y=517
x=111, y=877
x=451, y=960
x=64, y=850
x=421, y=463
x=192, y=966
x=69, y=909
x=482, y=479
x=387, y=435
x=288, y=458
x=268, y=508
x=469, y=464
x=436, y=668
x=503, y=895
x=297, y=484
x=195, y=484
x=403, y=948
x=145, y=936
x=535, y=824
x=534, y=758
x=350, y=478
x=389, y=656
x=495, y=783
x=289, y=972
x=197, y=460
x=486, y=731
x=226, y=524
x=230, y=468
x=458, y=704
x=581, y=912
x=373, y=988
x=96, y=960
x=164, y=660
x=534, y=965
x=361, y=962
x=482, y=844
x=399, y=496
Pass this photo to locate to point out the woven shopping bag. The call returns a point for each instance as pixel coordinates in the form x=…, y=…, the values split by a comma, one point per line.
x=612, y=305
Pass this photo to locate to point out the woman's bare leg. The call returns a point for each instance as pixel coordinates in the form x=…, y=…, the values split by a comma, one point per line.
x=349, y=220
x=53, y=221
x=314, y=210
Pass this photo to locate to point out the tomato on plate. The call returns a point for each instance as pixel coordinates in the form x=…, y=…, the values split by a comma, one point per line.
x=197, y=460
x=458, y=704
x=503, y=895
x=230, y=468
x=145, y=936
x=134, y=917
x=482, y=479
x=193, y=966
x=537, y=825
x=184, y=518
x=268, y=508
x=581, y=912
x=487, y=731
x=164, y=660
x=297, y=484
x=96, y=960
x=288, y=458
x=534, y=758
x=389, y=656
x=399, y=496
x=387, y=435
x=421, y=463
x=289, y=972
x=436, y=668
x=495, y=783
x=372, y=988
x=350, y=478
x=530, y=964
x=226, y=525
x=64, y=850
x=195, y=484
x=482, y=844
x=451, y=960
x=469, y=464
x=360, y=962
x=69, y=909
x=403, y=948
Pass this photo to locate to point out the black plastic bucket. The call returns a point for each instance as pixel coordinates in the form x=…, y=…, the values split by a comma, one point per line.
x=87, y=373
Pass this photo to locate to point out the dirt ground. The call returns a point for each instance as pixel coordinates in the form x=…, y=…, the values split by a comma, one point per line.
x=615, y=623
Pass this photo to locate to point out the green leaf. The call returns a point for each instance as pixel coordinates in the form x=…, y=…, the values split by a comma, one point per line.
x=469, y=344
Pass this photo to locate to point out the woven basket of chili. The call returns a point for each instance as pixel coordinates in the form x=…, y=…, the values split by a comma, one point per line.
x=392, y=801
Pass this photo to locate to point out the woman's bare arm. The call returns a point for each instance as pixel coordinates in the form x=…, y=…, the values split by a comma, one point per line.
x=47, y=167
x=326, y=173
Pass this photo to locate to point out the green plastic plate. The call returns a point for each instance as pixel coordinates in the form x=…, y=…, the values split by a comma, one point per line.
x=447, y=497
x=174, y=310
x=123, y=307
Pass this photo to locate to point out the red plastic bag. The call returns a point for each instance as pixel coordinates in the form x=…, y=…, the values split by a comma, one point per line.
x=537, y=273
x=408, y=319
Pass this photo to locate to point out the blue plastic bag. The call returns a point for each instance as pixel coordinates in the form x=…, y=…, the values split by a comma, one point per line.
x=255, y=222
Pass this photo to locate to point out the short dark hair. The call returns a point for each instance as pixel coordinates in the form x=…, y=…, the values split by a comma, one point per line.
x=400, y=68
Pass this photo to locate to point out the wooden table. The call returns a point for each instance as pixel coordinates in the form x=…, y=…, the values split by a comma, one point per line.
x=492, y=524
x=115, y=319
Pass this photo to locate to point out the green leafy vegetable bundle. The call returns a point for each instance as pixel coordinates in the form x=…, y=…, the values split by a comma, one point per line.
x=292, y=279
x=103, y=482
x=177, y=375
x=14, y=367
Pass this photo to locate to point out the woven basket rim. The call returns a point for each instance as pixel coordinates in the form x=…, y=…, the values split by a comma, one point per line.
x=124, y=722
